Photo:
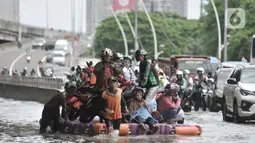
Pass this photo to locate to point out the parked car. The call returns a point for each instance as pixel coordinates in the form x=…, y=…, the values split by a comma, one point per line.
x=232, y=64
x=239, y=95
x=38, y=43
x=220, y=79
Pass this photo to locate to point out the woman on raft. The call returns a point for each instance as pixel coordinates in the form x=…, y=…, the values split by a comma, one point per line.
x=114, y=101
x=169, y=103
x=141, y=113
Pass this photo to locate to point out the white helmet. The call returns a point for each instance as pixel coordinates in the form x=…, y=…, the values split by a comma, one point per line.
x=28, y=58
x=25, y=68
x=186, y=72
x=107, y=52
x=127, y=58
x=200, y=70
x=179, y=73
x=119, y=55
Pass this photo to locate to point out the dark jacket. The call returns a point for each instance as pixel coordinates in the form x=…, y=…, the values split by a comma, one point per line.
x=103, y=71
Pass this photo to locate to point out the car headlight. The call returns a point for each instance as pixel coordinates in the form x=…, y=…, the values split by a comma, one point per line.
x=246, y=92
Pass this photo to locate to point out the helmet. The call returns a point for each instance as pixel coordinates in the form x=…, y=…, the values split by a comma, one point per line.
x=118, y=56
x=111, y=79
x=28, y=58
x=179, y=73
x=71, y=84
x=139, y=53
x=172, y=88
x=127, y=58
x=25, y=68
x=107, y=52
x=137, y=89
x=186, y=72
x=173, y=79
x=200, y=70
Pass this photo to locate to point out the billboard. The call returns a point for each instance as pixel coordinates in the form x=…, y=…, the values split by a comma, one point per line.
x=120, y=6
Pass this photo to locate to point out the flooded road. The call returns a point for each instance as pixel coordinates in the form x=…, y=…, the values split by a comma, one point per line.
x=19, y=123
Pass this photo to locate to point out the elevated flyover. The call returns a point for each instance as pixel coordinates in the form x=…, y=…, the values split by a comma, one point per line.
x=9, y=31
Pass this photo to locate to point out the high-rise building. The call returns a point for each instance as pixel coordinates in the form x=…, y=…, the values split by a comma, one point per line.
x=174, y=6
x=9, y=10
x=97, y=10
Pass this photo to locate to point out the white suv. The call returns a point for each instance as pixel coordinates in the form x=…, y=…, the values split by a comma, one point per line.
x=239, y=95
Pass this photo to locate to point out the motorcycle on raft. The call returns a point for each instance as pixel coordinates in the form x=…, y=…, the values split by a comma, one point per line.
x=87, y=108
x=76, y=102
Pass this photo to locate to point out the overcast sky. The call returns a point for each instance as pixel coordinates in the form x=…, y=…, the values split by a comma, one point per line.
x=33, y=12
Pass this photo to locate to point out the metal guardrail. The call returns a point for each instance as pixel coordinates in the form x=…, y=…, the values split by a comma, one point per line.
x=39, y=82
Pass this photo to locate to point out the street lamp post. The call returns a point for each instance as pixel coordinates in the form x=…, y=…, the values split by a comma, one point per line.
x=136, y=25
x=225, y=33
x=73, y=30
x=47, y=15
x=219, y=29
x=153, y=30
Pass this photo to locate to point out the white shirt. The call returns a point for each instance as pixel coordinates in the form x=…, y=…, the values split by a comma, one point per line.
x=129, y=74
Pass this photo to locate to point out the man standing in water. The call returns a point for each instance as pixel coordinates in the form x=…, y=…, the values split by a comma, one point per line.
x=51, y=109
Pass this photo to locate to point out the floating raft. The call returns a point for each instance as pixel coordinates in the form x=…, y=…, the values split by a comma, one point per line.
x=75, y=127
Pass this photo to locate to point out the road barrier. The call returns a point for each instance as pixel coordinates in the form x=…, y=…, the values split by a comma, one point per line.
x=38, y=82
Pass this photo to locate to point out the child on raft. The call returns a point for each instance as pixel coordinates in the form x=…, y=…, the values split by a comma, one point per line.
x=140, y=112
x=169, y=103
x=114, y=101
x=51, y=109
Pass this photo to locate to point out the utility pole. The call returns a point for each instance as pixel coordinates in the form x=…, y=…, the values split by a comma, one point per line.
x=201, y=7
x=47, y=14
x=73, y=29
x=225, y=33
x=81, y=18
x=93, y=25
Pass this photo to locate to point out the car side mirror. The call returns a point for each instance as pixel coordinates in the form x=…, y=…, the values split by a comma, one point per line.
x=231, y=81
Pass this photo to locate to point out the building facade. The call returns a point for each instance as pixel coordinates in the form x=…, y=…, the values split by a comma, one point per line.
x=97, y=10
x=179, y=7
x=9, y=10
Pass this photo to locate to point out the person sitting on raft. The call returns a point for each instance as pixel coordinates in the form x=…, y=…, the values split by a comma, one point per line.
x=140, y=112
x=51, y=109
x=114, y=101
x=169, y=103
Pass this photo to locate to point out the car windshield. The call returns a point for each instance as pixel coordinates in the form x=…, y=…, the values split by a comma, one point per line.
x=58, y=55
x=60, y=47
x=248, y=75
x=192, y=65
x=38, y=40
x=222, y=77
